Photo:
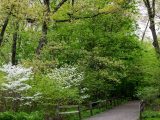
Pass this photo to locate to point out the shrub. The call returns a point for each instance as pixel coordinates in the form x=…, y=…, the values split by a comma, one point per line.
x=21, y=116
x=15, y=86
x=7, y=116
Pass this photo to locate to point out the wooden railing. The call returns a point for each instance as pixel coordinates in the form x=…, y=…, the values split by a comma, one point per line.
x=142, y=107
x=98, y=103
x=77, y=109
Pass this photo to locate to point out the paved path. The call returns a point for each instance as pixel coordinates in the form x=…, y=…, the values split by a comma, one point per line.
x=129, y=111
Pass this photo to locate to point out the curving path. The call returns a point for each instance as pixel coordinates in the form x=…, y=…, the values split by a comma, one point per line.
x=128, y=111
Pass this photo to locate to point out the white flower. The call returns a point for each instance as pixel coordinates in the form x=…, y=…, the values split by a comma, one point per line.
x=66, y=76
x=85, y=96
x=14, y=72
x=15, y=78
x=15, y=84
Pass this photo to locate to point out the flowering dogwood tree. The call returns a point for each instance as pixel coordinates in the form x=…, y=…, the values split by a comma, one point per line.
x=67, y=76
x=15, y=86
x=15, y=78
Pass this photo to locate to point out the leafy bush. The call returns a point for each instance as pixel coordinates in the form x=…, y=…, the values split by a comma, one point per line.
x=21, y=116
x=150, y=66
x=59, y=86
x=148, y=93
x=15, y=87
x=7, y=116
x=151, y=114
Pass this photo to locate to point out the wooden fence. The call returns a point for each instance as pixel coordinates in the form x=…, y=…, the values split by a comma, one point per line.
x=77, y=109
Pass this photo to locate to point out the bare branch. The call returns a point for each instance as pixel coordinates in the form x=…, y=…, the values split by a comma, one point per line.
x=145, y=30
x=153, y=7
x=59, y=6
x=40, y=1
x=84, y=17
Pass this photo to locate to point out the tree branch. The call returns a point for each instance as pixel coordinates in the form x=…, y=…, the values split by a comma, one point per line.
x=153, y=7
x=73, y=2
x=59, y=6
x=84, y=17
x=145, y=30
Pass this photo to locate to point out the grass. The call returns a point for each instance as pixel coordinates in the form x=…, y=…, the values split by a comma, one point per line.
x=151, y=115
x=152, y=119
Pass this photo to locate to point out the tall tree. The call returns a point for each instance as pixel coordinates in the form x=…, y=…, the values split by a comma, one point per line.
x=3, y=29
x=151, y=8
x=5, y=24
x=14, y=10
x=43, y=39
x=14, y=45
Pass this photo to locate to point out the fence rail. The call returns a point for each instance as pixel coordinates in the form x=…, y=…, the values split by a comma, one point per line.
x=77, y=111
x=108, y=103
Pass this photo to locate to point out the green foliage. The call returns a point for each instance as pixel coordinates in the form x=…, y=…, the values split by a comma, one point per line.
x=102, y=49
x=148, y=93
x=152, y=118
x=150, y=66
x=7, y=116
x=149, y=115
x=53, y=93
x=21, y=116
x=96, y=36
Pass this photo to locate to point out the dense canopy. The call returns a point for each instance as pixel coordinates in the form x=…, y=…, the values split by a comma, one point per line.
x=67, y=52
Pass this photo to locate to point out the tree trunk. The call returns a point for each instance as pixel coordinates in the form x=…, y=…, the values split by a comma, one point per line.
x=14, y=45
x=144, y=33
x=154, y=34
x=3, y=30
x=151, y=14
x=43, y=39
x=73, y=2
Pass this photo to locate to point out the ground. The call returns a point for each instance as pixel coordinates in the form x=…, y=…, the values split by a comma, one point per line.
x=128, y=111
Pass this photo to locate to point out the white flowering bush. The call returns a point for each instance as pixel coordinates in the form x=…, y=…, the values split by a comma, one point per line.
x=84, y=94
x=67, y=76
x=16, y=77
x=15, y=86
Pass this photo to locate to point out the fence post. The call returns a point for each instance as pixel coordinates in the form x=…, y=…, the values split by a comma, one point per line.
x=79, y=112
x=106, y=104
x=57, y=112
x=141, y=110
x=99, y=105
x=142, y=105
x=110, y=103
x=113, y=103
x=91, y=109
